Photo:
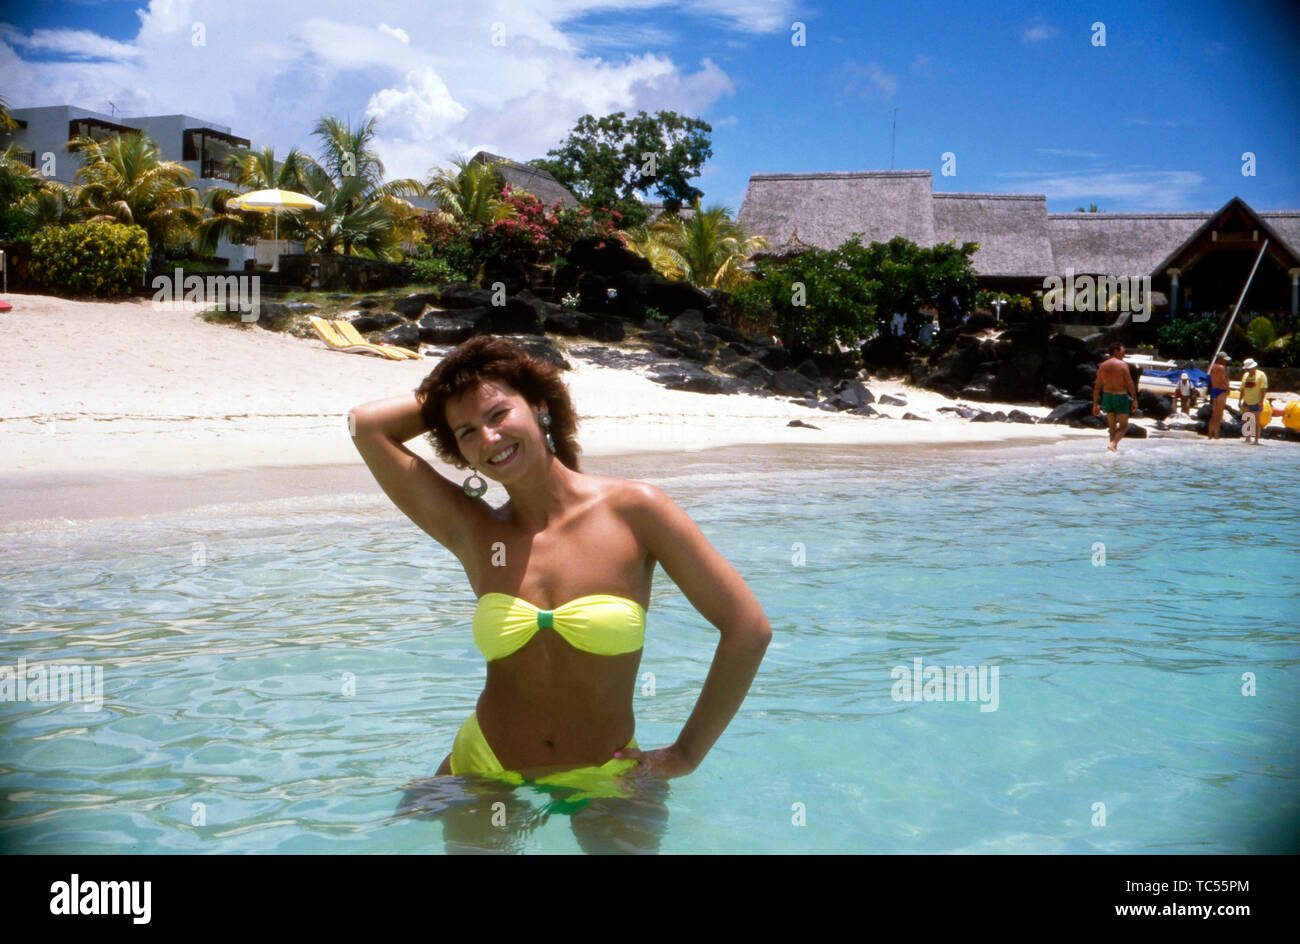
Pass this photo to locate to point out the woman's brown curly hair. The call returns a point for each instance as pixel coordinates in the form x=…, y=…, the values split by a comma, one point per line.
x=485, y=357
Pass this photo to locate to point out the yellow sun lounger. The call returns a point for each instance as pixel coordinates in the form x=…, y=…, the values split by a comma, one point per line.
x=350, y=334
x=330, y=335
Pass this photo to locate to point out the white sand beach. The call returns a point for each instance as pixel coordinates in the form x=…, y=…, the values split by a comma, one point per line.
x=120, y=389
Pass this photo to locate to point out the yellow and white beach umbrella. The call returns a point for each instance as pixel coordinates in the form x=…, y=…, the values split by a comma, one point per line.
x=275, y=201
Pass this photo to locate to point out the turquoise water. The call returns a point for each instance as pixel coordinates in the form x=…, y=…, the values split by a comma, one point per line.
x=277, y=674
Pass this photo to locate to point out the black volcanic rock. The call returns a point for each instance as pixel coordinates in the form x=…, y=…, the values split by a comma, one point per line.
x=405, y=335
x=440, y=329
x=542, y=349
x=1070, y=410
x=791, y=384
x=412, y=306
x=463, y=295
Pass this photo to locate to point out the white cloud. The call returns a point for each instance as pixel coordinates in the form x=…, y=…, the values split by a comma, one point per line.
x=1067, y=152
x=869, y=80
x=435, y=83
x=1127, y=191
x=923, y=65
x=754, y=16
x=75, y=44
x=639, y=36
x=423, y=108
x=397, y=33
x=1038, y=31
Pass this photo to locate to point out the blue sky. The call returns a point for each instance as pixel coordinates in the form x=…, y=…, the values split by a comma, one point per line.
x=1157, y=119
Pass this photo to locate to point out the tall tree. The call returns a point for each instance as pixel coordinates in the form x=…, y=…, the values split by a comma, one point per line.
x=608, y=161
x=125, y=180
x=7, y=121
x=707, y=249
x=253, y=170
x=29, y=201
x=364, y=214
x=468, y=191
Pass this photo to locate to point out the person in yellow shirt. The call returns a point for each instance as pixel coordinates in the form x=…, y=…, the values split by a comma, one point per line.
x=1254, y=387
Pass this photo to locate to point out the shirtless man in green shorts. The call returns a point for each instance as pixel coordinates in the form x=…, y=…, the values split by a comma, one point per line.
x=1114, y=389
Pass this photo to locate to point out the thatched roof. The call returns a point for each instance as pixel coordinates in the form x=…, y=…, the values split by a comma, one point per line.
x=1234, y=207
x=1118, y=243
x=1010, y=228
x=525, y=177
x=1017, y=236
x=829, y=208
x=1286, y=224
x=787, y=250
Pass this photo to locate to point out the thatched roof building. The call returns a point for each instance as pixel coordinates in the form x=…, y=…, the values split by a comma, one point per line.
x=1011, y=230
x=1118, y=242
x=538, y=182
x=1021, y=244
x=828, y=208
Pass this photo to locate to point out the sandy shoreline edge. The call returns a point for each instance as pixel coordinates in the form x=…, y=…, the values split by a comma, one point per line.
x=118, y=408
x=30, y=501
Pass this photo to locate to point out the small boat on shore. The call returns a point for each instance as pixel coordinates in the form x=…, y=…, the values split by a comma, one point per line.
x=1163, y=376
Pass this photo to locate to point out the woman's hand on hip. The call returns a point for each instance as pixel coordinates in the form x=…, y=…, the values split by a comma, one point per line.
x=664, y=763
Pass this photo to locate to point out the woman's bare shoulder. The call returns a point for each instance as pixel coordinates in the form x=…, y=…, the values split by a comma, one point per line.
x=628, y=494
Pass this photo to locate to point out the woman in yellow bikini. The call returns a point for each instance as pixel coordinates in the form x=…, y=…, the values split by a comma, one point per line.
x=562, y=573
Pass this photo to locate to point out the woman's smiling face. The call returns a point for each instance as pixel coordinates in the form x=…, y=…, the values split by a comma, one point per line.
x=496, y=429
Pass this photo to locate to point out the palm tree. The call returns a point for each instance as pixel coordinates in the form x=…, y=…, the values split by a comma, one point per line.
x=1092, y=208
x=253, y=170
x=354, y=221
x=17, y=179
x=258, y=170
x=347, y=151
x=125, y=180
x=469, y=191
x=706, y=250
x=25, y=196
x=363, y=214
x=7, y=122
x=646, y=241
x=54, y=205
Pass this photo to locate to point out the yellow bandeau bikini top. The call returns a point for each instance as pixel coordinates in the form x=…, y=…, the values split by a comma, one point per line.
x=601, y=624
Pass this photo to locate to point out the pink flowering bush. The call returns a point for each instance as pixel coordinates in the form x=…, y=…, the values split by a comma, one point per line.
x=545, y=227
x=538, y=231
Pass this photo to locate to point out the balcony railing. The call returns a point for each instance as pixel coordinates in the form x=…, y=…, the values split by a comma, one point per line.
x=212, y=169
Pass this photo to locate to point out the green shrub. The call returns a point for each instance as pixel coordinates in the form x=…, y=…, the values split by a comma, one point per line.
x=435, y=271
x=851, y=292
x=808, y=302
x=1015, y=307
x=1262, y=333
x=101, y=259
x=1187, y=339
x=1284, y=352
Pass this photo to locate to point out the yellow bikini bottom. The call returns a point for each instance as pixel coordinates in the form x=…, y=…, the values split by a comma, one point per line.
x=472, y=756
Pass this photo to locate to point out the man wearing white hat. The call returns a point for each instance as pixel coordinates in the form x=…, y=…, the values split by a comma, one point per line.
x=1254, y=387
x=1182, y=395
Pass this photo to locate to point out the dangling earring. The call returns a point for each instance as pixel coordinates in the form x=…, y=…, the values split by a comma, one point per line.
x=474, y=491
x=546, y=425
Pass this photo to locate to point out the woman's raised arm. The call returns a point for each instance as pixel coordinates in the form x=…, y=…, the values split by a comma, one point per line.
x=437, y=505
